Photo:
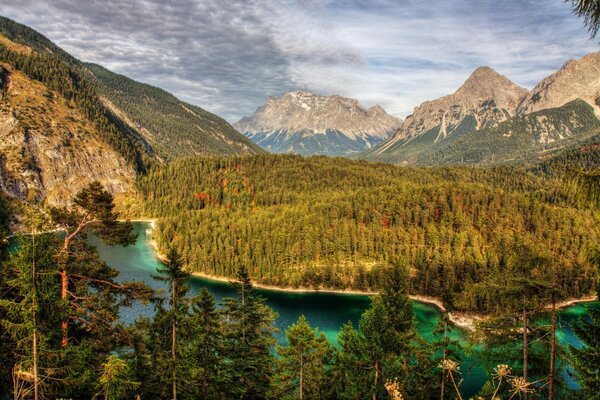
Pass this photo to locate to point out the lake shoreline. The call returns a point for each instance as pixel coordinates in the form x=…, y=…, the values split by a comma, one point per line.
x=464, y=320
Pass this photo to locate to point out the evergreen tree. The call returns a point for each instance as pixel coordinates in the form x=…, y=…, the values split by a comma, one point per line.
x=248, y=340
x=300, y=371
x=383, y=349
x=171, y=271
x=586, y=360
x=115, y=381
x=206, y=347
x=92, y=212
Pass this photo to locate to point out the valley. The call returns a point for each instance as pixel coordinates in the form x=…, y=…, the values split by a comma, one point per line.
x=320, y=247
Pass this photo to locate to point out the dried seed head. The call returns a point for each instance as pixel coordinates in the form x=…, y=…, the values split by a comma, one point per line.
x=393, y=390
x=502, y=371
x=520, y=385
x=449, y=365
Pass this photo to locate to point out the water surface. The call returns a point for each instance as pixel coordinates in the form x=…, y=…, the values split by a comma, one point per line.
x=327, y=311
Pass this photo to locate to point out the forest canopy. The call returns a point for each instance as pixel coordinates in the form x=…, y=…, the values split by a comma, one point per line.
x=336, y=223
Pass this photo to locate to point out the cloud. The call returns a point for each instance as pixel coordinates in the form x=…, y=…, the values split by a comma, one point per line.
x=228, y=56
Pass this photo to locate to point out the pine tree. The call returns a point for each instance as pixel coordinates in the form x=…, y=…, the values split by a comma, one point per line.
x=115, y=381
x=300, y=372
x=171, y=271
x=92, y=211
x=586, y=360
x=206, y=346
x=248, y=340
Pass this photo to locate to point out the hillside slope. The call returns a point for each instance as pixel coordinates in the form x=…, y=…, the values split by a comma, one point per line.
x=336, y=223
x=521, y=139
x=173, y=128
x=577, y=79
x=484, y=100
x=49, y=146
x=63, y=126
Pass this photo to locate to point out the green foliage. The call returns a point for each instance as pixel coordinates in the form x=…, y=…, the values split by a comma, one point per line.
x=321, y=222
x=115, y=380
x=589, y=10
x=206, y=347
x=300, y=370
x=587, y=358
x=248, y=339
x=384, y=349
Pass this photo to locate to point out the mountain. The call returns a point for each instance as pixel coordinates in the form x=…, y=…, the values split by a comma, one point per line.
x=523, y=139
x=483, y=101
x=172, y=127
x=577, y=79
x=304, y=123
x=50, y=145
x=64, y=123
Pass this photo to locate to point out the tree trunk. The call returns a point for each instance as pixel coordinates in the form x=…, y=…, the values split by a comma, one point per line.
x=445, y=355
x=525, y=345
x=376, y=380
x=173, y=338
x=64, y=326
x=34, y=320
x=553, y=349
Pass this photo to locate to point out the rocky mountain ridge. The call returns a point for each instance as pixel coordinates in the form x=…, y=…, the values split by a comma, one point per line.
x=64, y=123
x=577, y=79
x=484, y=100
x=488, y=99
x=306, y=123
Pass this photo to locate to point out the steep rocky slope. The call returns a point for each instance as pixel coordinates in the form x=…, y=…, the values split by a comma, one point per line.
x=304, y=123
x=49, y=146
x=64, y=123
x=522, y=139
x=577, y=79
x=483, y=101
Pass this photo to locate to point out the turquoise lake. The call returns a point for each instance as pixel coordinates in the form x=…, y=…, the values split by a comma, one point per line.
x=327, y=311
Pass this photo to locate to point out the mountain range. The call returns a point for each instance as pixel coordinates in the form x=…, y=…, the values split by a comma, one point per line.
x=307, y=124
x=64, y=123
x=489, y=119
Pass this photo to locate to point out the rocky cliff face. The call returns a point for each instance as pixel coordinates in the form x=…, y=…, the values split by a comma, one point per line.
x=48, y=146
x=305, y=123
x=577, y=79
x=483, y=101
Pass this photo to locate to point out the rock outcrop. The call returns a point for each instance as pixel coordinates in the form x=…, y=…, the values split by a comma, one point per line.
x=49, y=147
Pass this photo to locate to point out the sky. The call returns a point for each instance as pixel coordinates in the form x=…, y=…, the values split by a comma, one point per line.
x=227, y=56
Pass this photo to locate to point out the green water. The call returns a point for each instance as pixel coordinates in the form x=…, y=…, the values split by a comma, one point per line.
x=327, y=311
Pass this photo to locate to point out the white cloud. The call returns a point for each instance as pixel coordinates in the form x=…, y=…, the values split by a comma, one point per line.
x=229, y=56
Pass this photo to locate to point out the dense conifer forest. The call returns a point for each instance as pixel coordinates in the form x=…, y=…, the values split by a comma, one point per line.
x=335, y=223
x=61, y=336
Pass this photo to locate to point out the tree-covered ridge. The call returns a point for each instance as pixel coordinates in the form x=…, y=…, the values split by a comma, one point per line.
x=174, y=128
x=322, y=222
